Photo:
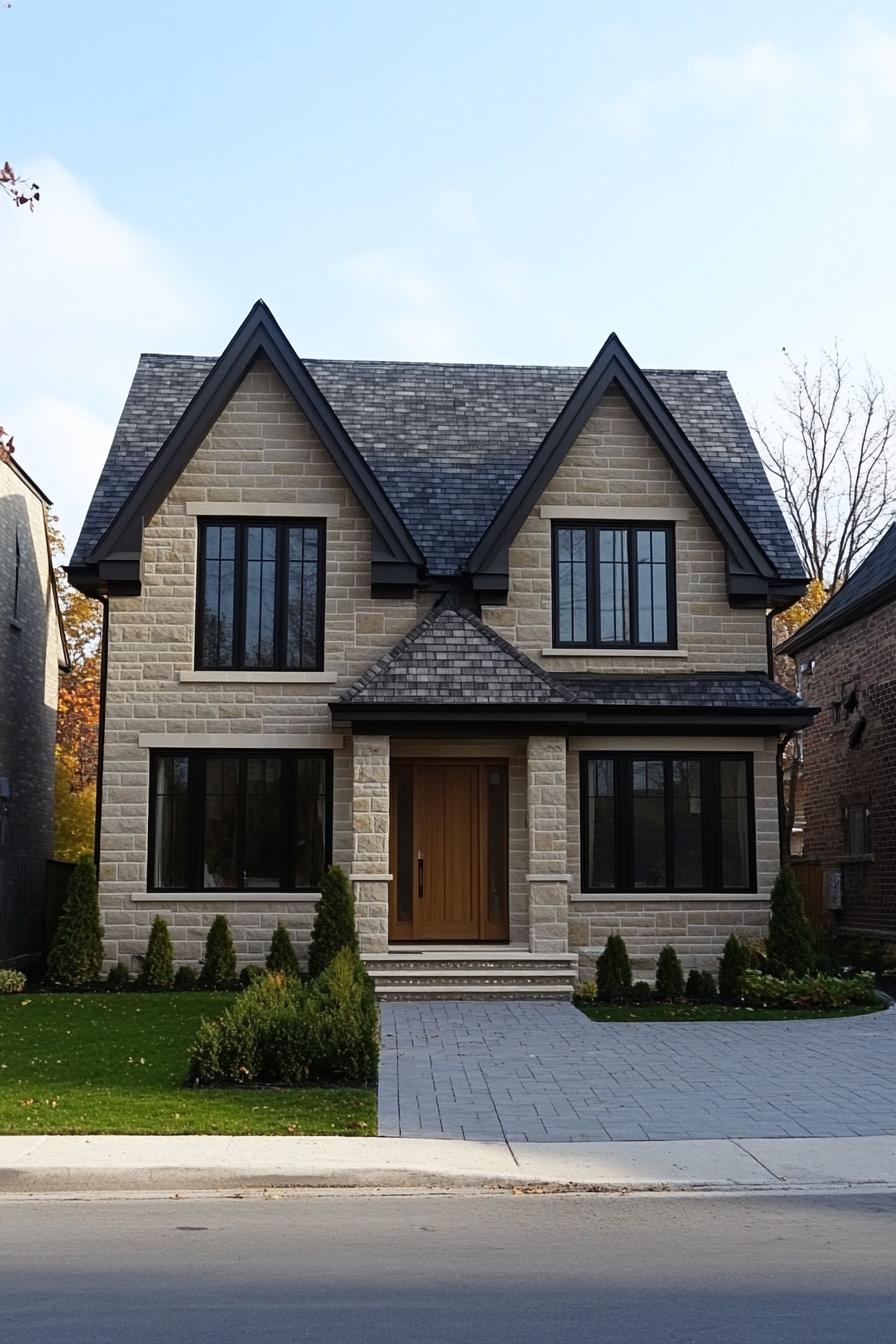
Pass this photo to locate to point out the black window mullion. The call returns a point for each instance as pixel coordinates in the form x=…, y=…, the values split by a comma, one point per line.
x=287, y=822
x=281, y=593
x=632, y=551
x=592, y=586
x=668, y=805
x=239, y=550
x=626, y=848
x=196, y=796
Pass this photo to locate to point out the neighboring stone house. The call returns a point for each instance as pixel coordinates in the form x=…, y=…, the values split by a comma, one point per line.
x=846, y=663
x=32, y=652
x=492, y=638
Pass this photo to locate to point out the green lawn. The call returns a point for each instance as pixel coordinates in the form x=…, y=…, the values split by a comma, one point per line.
x=698, y=1012
x=116, y=1063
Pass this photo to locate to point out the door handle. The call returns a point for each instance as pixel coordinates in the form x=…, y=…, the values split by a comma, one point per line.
x=420, y=875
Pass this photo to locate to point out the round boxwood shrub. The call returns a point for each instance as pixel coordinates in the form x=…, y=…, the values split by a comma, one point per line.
x=282, y=956
x=76, y=955
x=119, y=977
x=669, y=976
x=249, y=974
x=186, y=977
x=12, y=981
x=158, y=963
x=219, y=962
x=641, y=992
x=614, y=970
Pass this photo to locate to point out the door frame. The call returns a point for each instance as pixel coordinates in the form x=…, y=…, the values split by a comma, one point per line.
x=402, y=931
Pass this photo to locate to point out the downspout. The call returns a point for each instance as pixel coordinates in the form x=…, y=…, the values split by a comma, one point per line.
x=101, y=735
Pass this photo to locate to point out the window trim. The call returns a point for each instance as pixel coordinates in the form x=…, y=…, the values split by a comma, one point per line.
x=196, y=811
x=241, y=526
x=710, y=762
x=593, y=528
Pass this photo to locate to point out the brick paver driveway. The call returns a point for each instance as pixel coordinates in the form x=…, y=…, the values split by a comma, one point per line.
x=543, y=1071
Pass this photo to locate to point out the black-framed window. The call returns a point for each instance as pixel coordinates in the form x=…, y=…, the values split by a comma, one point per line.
x=668, y=822
x=856, y=830
x=260, y=595
x=613, y=585
x=239, y=820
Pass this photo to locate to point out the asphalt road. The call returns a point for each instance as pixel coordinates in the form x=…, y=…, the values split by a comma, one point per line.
x=370, y=1269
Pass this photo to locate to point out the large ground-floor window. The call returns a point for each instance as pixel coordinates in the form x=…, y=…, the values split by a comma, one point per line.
x=239, y=820
x=658, y=821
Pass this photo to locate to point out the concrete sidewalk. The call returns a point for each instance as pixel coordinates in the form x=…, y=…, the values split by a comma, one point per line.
x=106, y=1163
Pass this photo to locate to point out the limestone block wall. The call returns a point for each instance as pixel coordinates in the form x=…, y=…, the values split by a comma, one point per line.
x=615, y=467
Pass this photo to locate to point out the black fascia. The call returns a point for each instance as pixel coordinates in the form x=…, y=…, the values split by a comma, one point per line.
x=258, y=336
x=614, y=364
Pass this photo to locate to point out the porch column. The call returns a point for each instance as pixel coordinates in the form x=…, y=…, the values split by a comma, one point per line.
x=370, y=846
x=548, y=856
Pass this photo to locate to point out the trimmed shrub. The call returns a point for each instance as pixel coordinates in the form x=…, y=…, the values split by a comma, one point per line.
x=186, y=977
x=334, y=921
x=669, y=976
x=249, y=974
x=282, y=956
x=342, y=1023
x=279, y=1032
x=158, y=963
x=708, y=991
x=119, y=977
x=586, y=991
x=614, y=970
x=693, y=986
x=76, y=956
x=733, y=963
x=808, y=991
x=12, y=981
x=789, y=945
x=219, y=962
x=641, y=992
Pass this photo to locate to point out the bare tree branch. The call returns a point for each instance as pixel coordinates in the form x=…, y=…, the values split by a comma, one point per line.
x=829, y=454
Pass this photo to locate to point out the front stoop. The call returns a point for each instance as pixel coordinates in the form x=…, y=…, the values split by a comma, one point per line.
x=471, y=973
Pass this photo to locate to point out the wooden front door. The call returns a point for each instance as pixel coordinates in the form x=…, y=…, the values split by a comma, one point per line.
x=448, y=831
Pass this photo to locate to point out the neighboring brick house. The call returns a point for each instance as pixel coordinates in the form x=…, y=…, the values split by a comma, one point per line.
x=492, y=638
x=846, y=663
x=32, y=652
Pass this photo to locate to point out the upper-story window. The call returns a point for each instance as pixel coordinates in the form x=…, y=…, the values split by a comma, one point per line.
x=260, y=595
x=614, y=586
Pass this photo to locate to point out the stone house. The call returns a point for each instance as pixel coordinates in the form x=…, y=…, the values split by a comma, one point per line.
x=492, y=638
x=846, y=663
x=32, y=653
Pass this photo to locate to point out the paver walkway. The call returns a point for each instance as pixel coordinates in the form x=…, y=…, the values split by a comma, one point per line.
x=543, y=1071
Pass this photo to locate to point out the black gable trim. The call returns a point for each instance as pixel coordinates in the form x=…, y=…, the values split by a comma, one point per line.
x=396, y=554
x=749, y=570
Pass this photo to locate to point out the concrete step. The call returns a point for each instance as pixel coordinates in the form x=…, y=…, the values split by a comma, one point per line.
x=447, y=990
x=439, y=973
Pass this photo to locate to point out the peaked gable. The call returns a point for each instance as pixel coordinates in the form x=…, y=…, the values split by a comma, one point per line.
x=870, y=586
x=751, y=574
x=115, y=557
x=454, y=658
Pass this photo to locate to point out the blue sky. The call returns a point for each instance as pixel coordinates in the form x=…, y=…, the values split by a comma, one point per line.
x=478, y=181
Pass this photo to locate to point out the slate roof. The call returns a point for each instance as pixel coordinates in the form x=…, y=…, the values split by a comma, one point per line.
x=695, y=690
x=449, y=441
x=870, y=586
x=454, y=658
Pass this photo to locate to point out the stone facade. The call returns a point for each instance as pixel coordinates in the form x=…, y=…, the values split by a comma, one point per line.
x=30, y=655
x=844, y=768
x=263, y=454
x=614, y=465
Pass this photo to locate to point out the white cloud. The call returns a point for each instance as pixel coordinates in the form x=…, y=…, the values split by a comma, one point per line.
x=414, y=314
x=84, y=293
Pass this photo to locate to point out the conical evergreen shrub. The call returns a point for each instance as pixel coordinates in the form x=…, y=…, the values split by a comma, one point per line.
x=669, y=976
x=282, y=956
x=334, y=921
x=76, y=955
x=709, y=993
x=734, y=961
x=694, y=986
x=219, y=962
x=614, y=970
x=158, y=963
x=789, y=947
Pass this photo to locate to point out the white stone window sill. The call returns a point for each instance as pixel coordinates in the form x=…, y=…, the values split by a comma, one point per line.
x=614, y=653
x=223, y=897
x=202, y=508
x=614, y=897
x=251, y=678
